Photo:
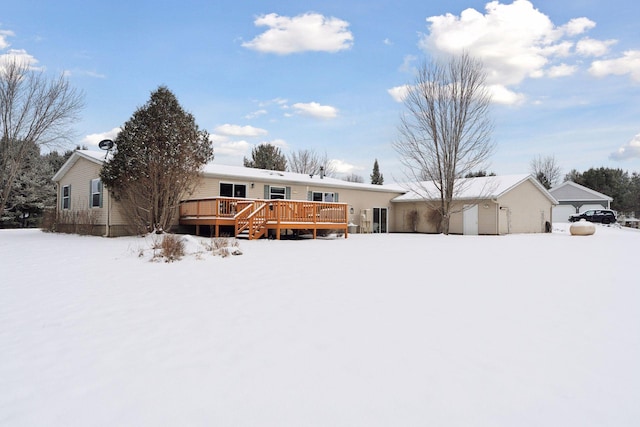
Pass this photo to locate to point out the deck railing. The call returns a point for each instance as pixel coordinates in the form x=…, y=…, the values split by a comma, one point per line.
x=255, y=214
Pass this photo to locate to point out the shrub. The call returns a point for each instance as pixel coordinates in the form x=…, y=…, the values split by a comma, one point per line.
x=81, y=222
x=49, y=220
x=413, y=218
x=225, y=246
x=171, y=248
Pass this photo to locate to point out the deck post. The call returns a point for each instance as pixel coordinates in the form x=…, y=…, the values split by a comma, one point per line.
x=278, y=218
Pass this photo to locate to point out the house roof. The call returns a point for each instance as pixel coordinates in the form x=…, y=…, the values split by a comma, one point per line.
x=488, y=187
x=93, y=156
x=263, y=175
x=247, y=174
x=570, y=191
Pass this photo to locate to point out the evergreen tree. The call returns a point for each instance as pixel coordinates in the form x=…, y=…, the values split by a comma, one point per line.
x=479, y=174
x=376, y=176
x=32, y=191
x=635, y=193
x=157, y=160
x=612, y=182
x=266, y=156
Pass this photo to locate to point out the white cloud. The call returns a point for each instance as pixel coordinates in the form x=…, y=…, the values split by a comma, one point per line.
x=340, y=166
x=578, y=26
x=515, y=41
x=280, y=143
x=225, y=148
x=502, y=95
x=4, y=34
x=19, y=55
x=276, y=101
x=629, y=63
x=399, y=93
x=628, y=151
x=89, y=73
x=313, y=109
x=562, y=70
x=237, y=130
x=256, y=113
x=94, y=138
x=591, y=47
x=407, y=63
x=307, y=32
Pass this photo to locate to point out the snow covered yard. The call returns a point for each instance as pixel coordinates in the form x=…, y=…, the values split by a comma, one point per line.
x=373, y=330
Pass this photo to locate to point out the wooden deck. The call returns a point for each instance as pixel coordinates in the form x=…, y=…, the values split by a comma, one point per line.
x=255, y=217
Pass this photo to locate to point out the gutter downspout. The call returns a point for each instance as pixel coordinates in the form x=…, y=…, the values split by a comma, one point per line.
x=108, y=225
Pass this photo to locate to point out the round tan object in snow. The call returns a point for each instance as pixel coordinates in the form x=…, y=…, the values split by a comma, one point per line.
x=582, y=228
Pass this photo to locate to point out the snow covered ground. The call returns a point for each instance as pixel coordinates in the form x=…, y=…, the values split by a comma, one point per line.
x=373, y=330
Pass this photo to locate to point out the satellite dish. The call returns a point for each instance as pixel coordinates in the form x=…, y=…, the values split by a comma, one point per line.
x=105, y=144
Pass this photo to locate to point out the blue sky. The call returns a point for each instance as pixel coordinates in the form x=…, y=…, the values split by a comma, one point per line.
x=328, y=75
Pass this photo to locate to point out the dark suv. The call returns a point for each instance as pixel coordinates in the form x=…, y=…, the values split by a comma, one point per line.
x=605, y=216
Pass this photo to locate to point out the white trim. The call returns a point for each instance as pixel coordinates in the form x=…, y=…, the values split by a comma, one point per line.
x=279, y=187
x=68, y=197
x=93, y=193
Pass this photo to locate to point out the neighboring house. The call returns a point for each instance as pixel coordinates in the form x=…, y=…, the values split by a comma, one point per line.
x=575, y=198
x=232, y=199
x=487, y=205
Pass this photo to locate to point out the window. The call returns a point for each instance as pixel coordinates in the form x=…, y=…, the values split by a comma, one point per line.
x=66, y=197
x=233, y=190
x=277, y=192
x=96, y=194
x=319, y=196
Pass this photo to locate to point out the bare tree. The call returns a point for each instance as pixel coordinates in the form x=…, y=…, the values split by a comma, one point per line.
x=310, y=162
x=546, y=170
x=34, y=110
x=354, y=178
x=445, y=132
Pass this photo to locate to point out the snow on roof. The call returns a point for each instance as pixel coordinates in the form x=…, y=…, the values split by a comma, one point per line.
x=488, y=187
x=242, y=172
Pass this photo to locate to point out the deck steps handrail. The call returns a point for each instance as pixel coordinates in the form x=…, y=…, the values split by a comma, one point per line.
x=251, y=218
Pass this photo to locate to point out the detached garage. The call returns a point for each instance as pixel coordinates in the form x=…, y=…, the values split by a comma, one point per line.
x=575, y=198
x=487, y=205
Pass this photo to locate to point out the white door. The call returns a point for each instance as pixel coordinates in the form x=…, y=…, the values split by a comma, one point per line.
x=470, y=220
x=561, y=213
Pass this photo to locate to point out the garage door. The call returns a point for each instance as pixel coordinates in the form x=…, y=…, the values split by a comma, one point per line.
x=561, y=213
x=591, y=206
